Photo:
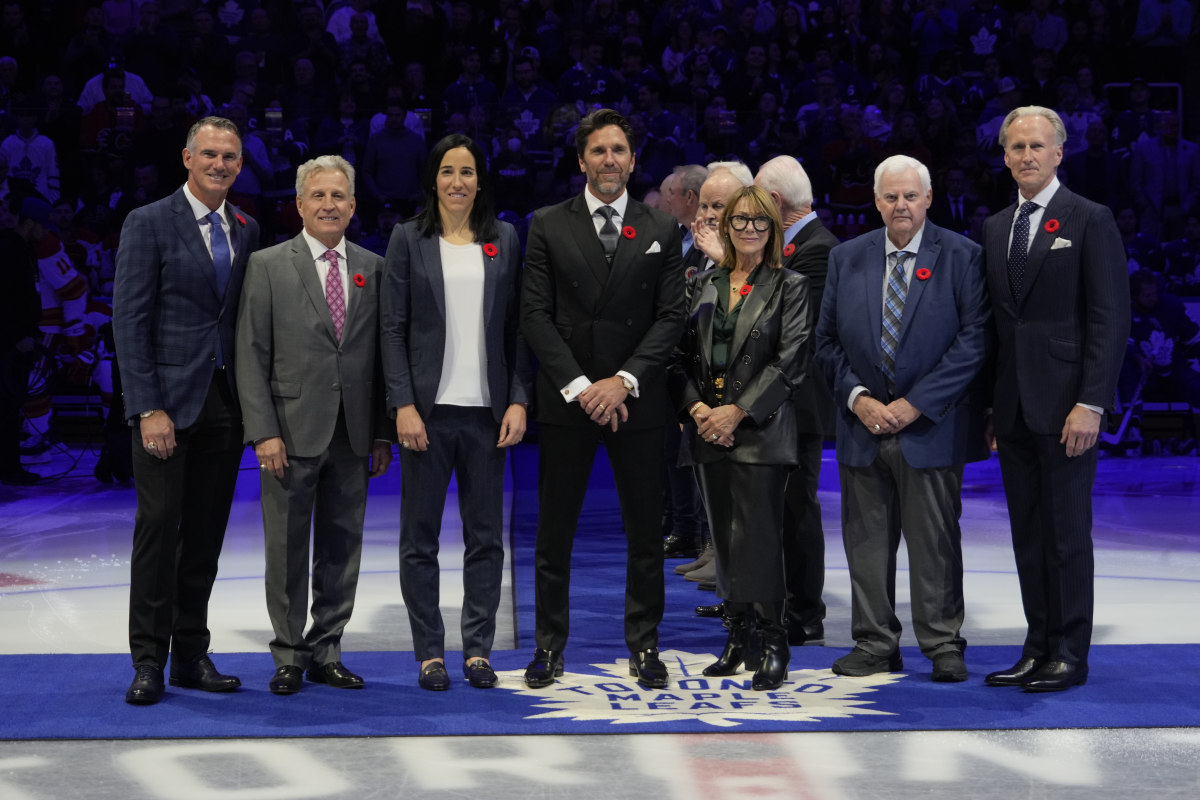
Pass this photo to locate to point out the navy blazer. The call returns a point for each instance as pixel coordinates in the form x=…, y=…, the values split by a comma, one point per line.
x=413, y=314
x=584, y=317
x=944, y=342
x=1064, y=342
x=168, y=320
x=810, y=257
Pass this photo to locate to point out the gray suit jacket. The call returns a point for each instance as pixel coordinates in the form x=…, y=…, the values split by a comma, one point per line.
x=292, y=372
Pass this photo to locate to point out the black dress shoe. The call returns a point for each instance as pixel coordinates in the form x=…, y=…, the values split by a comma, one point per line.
x=949, y=667
x=1055, y=676
x=859, y=663
x=1016, y=675
x=334, y=674
x=200, y=673
x=716, y=610
x=287, y=680
x=679, y=547
x=147, y=686
x=479, y=673
x=433, y=676
x=545, y=667
x=799, y=635
x=648, y=669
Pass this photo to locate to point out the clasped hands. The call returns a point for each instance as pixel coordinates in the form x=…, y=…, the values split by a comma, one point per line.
x=716, y=425
x=880, y=419
x=604, y=402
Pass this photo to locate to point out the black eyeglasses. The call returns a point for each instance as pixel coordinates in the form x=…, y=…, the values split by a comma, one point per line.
x=739, y=222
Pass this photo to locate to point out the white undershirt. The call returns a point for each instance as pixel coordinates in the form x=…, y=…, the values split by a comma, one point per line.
x=464, y=362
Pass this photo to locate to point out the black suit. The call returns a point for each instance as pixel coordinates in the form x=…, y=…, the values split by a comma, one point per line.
x=1061, y=343
x=584, y=317
x=803, y=536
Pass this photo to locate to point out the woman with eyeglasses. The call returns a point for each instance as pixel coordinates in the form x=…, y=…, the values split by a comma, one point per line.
x=742, y=356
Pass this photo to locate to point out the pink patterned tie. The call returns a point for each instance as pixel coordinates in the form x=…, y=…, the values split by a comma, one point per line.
x=335, y=295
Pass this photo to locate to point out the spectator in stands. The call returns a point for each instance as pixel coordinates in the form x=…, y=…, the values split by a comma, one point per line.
x=360, y=46
x=1164, y=174
x=341, y=22
x=471, y=88
x=1096, y=173
x=525, y=101
x=589, y=81
x=1142, y=251
x=393, y=161
x=31, y=155
x=1182, y=258
x=1163, y=28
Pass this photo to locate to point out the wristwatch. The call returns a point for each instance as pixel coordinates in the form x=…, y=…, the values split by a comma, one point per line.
x=150, y=413
x=628, y=384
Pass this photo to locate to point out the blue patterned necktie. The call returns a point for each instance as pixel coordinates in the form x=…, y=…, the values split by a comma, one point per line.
x=893, y=312
x=1018, y=251
x=222, y=264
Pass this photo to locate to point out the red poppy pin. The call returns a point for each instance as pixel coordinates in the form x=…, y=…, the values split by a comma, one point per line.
x=690, y=272
x=240, y=218
x=628, y=232
x=1051, y=225
x=359, y=280
x=787, y=251
x=923, y=274
x=746, y=289
x=490, y=250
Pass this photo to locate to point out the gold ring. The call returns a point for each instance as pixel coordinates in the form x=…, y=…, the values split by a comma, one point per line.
x=600, y=407
x=151, y=446
x=714, y=436
x=876, y=428
x=404, y=445
x=607, y=419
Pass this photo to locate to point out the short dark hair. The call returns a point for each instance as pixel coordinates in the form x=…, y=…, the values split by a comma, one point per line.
x=482, y=217
x=600, y=118
x=220, y=123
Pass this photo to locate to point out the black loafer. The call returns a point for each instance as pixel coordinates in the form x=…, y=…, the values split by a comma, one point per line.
x=434, y=677
x=648, y=669
x=479, y=673
x=336, y=675
x=715, y=610
x=545, y=667
x=287, y=680
x=949, y=667
x=201, y=673
x=147, y=686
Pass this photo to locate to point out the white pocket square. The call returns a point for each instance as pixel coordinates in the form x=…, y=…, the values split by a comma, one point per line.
x=655, y=247
x=1060, y=243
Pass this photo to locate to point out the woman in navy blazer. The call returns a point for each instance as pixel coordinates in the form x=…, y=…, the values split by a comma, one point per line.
x=458, y=380
x=744, y=353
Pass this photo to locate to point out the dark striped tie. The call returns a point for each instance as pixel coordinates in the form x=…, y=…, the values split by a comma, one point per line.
x=608, y=231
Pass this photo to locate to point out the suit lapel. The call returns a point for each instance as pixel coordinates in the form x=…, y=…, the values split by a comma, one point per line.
x=188, y=230
x=704, y=321
x=1059, y=208
x=627, y=250
x=873, y=277
x=490, y=268
x=579, y=223
x=927, y=256
x=753, y=305
x=356, y=296
x=430, y=262
x=302, y=263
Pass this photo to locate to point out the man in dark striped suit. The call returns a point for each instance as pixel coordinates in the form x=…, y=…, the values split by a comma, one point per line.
x=1060, y=296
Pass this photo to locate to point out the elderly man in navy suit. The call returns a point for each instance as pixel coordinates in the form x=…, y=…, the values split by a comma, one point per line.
x=178, y=281
x=1057, y=277
x=902, y=336
x=311, y=387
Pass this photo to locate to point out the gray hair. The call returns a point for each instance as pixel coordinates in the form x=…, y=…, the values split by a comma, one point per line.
x=893, y=164
x=220, y=123
x=320, y=163
x=785, y=176
x=1060, y=130
x=691, y=177
x=739, y=170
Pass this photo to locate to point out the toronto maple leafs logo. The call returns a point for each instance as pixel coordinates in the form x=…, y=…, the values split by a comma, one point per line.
x=807, y=696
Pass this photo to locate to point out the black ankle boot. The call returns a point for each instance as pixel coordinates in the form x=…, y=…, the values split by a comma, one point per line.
x=776, y=654
x=735, y=646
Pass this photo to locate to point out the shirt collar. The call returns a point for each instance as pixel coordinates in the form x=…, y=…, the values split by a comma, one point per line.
x=594, y=203
x=796, y=226
x=318, y=250
x=199, y=210
x=1043, y=197
x=912, y=247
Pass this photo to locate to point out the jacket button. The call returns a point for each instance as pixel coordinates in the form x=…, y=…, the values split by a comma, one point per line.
x=645, y=285
x=746, y=358
x=754, y=334
x=629, y=322
x=212, y=356
x=335, y=386
x=737, y=386
x=575, y=284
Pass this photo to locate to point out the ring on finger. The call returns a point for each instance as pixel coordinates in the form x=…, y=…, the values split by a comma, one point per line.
x=151, y=445
x=601, y=407
x=876, y=427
